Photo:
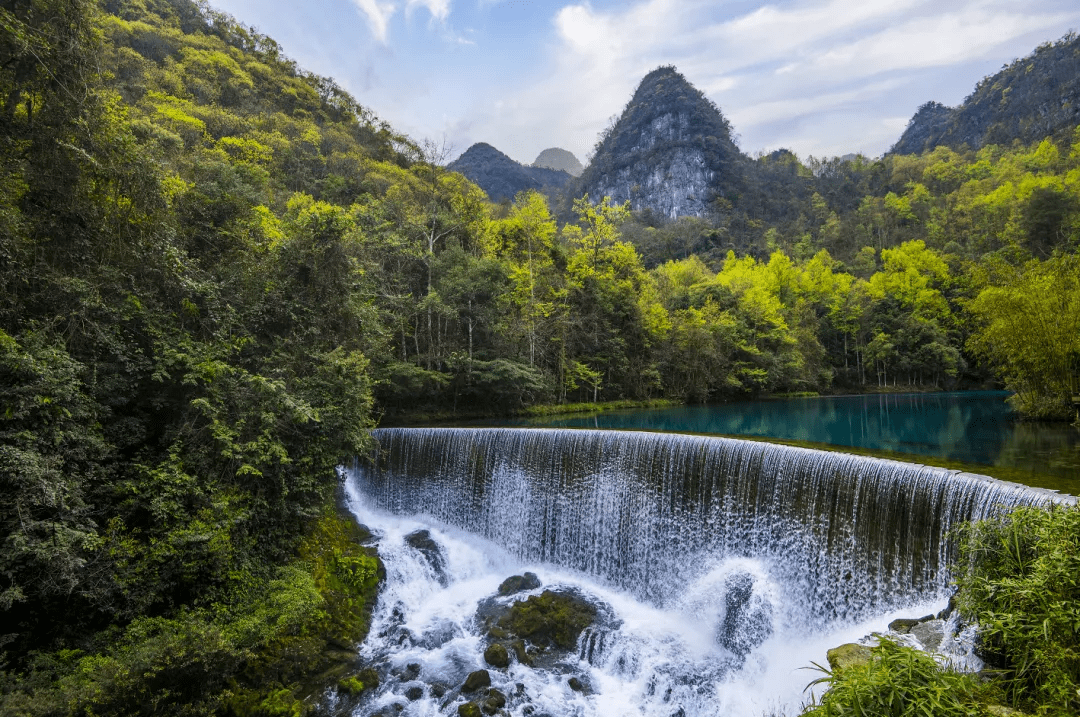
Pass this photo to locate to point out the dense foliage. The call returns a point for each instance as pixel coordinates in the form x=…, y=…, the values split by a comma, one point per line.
x=181, y=367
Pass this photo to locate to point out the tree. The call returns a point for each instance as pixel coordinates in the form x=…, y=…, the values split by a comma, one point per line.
x=1029, y=331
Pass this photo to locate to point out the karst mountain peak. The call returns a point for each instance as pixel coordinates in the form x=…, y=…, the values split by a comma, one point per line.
x=669, y=151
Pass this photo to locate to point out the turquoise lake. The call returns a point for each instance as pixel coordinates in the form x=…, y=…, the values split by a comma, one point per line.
x=975, y=431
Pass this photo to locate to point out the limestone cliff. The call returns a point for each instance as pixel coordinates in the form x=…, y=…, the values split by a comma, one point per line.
x=670, y=151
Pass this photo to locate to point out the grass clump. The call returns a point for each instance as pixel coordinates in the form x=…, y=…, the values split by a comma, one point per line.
x=559, y=409
x=898, y=681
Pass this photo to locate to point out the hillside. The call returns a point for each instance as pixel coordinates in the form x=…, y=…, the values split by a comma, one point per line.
x=561, y=159
x=1032, y=98
x=502, y=178
x=670, y=151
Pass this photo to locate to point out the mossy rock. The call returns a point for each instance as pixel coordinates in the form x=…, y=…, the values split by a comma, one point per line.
x=369, y=677
x=848, y=656
x=903, y=625
x=1003, y=711
x=469, y=709
x=496, y=655
x=551, y=619
x=522, y=655
x=351, y=685
x=494, y=701
x=476, y=680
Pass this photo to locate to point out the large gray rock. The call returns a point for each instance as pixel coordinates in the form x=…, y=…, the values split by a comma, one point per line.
x=747, y=622
x=422, y=541
x=929, y=633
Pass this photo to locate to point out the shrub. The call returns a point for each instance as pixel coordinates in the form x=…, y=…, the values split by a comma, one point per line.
x=898, y=681
x=1020, y=582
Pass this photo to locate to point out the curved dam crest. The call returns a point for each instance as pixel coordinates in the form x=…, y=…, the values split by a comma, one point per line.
x=846, y=536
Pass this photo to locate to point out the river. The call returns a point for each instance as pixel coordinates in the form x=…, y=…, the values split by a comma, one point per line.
x=975, y=431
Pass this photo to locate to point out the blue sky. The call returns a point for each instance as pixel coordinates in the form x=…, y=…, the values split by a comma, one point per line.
x=820, y=77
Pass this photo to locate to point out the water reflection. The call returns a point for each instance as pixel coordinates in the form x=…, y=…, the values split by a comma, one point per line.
x=965, y=427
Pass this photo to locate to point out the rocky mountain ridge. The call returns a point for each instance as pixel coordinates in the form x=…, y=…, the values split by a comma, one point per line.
x=670, y=151
x=501, y=177
x=1032, y=98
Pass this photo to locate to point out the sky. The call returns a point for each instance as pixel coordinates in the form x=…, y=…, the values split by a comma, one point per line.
x=818, y=77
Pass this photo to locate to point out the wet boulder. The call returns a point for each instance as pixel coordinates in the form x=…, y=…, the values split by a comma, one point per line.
x=519, y=583
x=476, y=680
x=422, y=541
x=903, y=625
x=494, y=701
x=469, y=709
x=929, y=633
x=577, y=685
x=747, y=619
x=408, y=673
x=496, y=655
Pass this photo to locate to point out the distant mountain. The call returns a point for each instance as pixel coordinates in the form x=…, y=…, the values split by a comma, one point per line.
x=1032, y=98
x=670, y=151
x=501, y=177
x=556, y=158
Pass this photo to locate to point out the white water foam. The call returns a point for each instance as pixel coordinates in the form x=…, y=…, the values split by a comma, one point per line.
x=644, y=659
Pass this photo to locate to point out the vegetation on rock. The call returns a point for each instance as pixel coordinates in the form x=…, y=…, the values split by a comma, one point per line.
x=1029, y=99
x=551, y=619
x=1020, y=583
x=899, y=681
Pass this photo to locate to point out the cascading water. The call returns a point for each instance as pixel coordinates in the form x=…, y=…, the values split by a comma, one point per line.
x=720, y=567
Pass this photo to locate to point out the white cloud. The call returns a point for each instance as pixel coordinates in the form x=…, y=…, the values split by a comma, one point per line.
x=778, y=71
x=439, y=9
x=378, y=16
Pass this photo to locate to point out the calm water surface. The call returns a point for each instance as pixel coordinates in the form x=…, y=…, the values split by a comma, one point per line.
x=974, y=431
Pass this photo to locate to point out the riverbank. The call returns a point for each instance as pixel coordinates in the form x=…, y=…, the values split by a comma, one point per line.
x=415, y=418
x=424, y=417
x=1016, y=582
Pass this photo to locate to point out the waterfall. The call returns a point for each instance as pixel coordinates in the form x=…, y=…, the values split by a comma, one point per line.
x=650, y=513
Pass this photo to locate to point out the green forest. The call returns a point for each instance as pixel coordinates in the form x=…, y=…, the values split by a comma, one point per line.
x=219, y=272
